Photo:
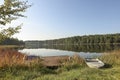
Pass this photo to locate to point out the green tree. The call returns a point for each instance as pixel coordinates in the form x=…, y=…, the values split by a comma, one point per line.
x=11, y=10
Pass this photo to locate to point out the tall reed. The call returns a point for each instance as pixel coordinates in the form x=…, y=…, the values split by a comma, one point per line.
x=111, y=58
x=10, y=57
x=73, y=62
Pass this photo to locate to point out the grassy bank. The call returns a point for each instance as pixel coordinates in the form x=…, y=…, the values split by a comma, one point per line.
x=10, y=46
x=74, y=69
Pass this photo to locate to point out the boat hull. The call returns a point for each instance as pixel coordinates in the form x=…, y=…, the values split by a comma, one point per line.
x=94, y=63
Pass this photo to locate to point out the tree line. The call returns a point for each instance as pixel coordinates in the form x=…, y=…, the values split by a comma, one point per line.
x=100, y=48
x=91, y=43
x=11, y=41
x=87, y=39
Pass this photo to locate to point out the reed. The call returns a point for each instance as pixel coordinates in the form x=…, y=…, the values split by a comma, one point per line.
x=73, y=62
x=111, y=58
x=11, y=57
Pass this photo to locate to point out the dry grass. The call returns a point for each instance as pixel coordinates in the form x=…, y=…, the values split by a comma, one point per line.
x=10, y=46
x=10, y=57
x=54, y=60
x=77, y=59
x=73, y=62
x=111, y=58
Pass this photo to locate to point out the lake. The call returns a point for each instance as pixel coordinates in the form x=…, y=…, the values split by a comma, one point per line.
x=85, y=51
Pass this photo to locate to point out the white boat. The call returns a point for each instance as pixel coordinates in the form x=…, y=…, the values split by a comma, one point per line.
x=94, y=63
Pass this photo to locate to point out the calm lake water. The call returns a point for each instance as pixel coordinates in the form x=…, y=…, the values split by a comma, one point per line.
x=53, y=52
x=85, y=51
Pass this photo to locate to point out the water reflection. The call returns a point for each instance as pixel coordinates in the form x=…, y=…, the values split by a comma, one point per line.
x=80, y=48
x=53, y=52
x=86, y=51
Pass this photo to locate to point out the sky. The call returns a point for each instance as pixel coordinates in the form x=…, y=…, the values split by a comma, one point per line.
x=53, y=19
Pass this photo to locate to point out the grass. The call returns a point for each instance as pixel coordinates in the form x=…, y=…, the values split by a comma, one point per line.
x=10, y=46
x=73, y=69
x=74, y=62
x=11, y=57
x=111, y=58
x=84, y=74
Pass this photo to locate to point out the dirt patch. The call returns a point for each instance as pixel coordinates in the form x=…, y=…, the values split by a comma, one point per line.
x=54, y=60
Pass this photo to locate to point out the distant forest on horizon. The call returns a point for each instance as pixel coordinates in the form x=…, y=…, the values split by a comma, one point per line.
x=82, y=40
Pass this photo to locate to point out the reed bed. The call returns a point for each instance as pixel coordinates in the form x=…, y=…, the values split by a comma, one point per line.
x=111, y=58
x=73, y=62
x=11, y=57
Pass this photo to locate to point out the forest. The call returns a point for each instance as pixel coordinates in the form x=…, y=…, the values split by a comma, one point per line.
x=11, y=41
x=84, y=40
x=91, y=43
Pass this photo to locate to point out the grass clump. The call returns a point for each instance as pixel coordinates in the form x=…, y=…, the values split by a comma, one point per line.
x=111, y=58
x=73, y=62
x=11, y=57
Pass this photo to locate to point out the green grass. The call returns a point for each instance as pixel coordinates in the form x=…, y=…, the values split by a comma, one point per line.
x=74, y=74
x=71, y=70
x=85, y=74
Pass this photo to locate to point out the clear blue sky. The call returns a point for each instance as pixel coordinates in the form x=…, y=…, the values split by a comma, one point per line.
x=51, y=19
